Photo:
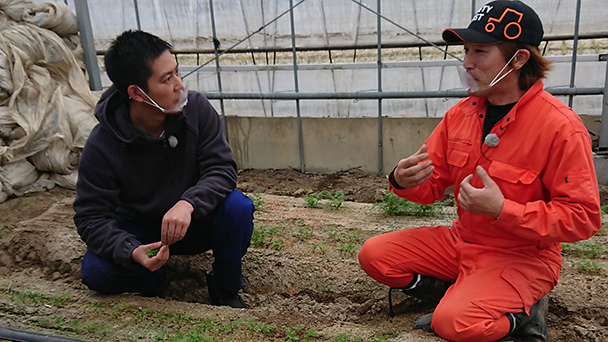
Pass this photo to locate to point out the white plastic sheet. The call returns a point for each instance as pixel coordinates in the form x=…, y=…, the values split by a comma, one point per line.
x=46, y=107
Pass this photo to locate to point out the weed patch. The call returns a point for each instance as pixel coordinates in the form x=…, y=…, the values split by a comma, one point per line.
x=265, y=236
x=334, y=202
x=397, y=206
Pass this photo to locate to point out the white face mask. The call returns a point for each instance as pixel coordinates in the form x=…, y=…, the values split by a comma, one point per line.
x=181, y=103
x=471, y=85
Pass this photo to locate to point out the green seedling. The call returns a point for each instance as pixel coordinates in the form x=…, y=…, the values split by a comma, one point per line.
x=258, y=328
x=334, y=203
x=347, y=248
x=332, y=234
x=321, y=246
x=310, y=334
x=262, y=236
x=396, y=206
x=278, y=244
x=313, y=200
x=590, y=267
x=563, y=49
x=355, y=236
x=257, y=199
x=141, y=312
x=304, y=233
x=292, y=333
x=378, y=339
x=596, y=47
x=336, y=200
x=151, y=253
x=585, y=249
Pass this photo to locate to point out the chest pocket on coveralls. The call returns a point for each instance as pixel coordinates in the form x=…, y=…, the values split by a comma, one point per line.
x=511, y=173
x=458, y=152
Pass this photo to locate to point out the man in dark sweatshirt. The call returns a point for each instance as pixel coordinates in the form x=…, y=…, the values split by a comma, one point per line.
x=157, y=173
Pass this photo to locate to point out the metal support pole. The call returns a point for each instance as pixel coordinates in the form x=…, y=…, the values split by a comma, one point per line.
x=574, y=48
x=437, y=94
x=380, y=152
x=603, y=143
x=136, y=14
x=217, y=66
x=473, y=8
x=88, y=45
x=297, y=88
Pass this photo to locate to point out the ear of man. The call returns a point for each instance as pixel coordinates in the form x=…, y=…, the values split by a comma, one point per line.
x=520, y=59
x=135, y=93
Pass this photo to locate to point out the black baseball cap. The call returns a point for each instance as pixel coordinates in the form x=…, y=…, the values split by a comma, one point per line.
x=500, y=21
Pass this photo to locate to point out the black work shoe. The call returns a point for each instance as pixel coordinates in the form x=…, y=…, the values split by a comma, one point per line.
x=531, y=328
x=222, y=297
x=428, y=289
x=424, y=322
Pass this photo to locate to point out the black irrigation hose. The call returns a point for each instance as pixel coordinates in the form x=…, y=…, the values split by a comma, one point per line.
x=26, y=336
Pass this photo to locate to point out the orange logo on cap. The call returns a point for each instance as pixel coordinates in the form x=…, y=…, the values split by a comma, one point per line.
x=490, y=26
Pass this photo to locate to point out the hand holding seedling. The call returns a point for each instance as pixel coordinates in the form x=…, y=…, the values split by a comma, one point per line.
x=140, y=255
x=414, y=170
x=176, y=222
x=485, y=201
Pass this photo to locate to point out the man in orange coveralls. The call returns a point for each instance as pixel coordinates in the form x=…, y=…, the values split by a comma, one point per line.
x=521, y=165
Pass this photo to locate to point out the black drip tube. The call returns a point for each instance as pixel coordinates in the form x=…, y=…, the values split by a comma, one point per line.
x=26, y=336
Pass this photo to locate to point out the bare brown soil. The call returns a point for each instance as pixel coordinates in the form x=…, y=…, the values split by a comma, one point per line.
x=302, y=277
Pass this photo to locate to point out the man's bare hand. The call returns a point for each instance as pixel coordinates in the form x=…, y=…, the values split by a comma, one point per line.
x=414, y=170
x=140, y=256
x=176, y=222
x=486, y=201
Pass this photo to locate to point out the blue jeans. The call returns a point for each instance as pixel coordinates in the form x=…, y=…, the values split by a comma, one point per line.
x=226, y=231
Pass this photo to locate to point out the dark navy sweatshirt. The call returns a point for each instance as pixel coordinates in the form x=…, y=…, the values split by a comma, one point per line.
x=124, y=171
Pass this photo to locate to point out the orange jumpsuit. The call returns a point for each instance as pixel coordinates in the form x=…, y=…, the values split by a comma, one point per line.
x=543, y=166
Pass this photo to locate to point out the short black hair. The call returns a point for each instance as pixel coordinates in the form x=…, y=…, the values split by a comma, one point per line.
x=129, y=59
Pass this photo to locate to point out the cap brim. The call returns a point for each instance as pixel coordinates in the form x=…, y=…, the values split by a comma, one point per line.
x=467, y=36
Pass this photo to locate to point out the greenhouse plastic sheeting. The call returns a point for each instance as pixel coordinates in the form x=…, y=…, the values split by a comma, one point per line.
x=46, y=107
x=187, y=23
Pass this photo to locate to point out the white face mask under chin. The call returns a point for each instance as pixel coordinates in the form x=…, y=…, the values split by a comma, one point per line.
x=181, y=103
x=471, y=85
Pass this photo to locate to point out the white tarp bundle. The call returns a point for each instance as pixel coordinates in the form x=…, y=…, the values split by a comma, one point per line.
x=46, y=107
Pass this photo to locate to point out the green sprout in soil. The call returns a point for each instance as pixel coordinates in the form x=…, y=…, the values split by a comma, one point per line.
x=585, y=249
x=396, y=206
x=303, y=233
x=263, y=237
x=256, y=328
x=321, y=246
x=350, y=248
x=590, y=267
x=334, y=201
x=257, y=199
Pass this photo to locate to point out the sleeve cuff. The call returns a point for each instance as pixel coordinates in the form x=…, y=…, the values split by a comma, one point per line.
x=125, y=259
x=393, y=182
x=511, y=214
